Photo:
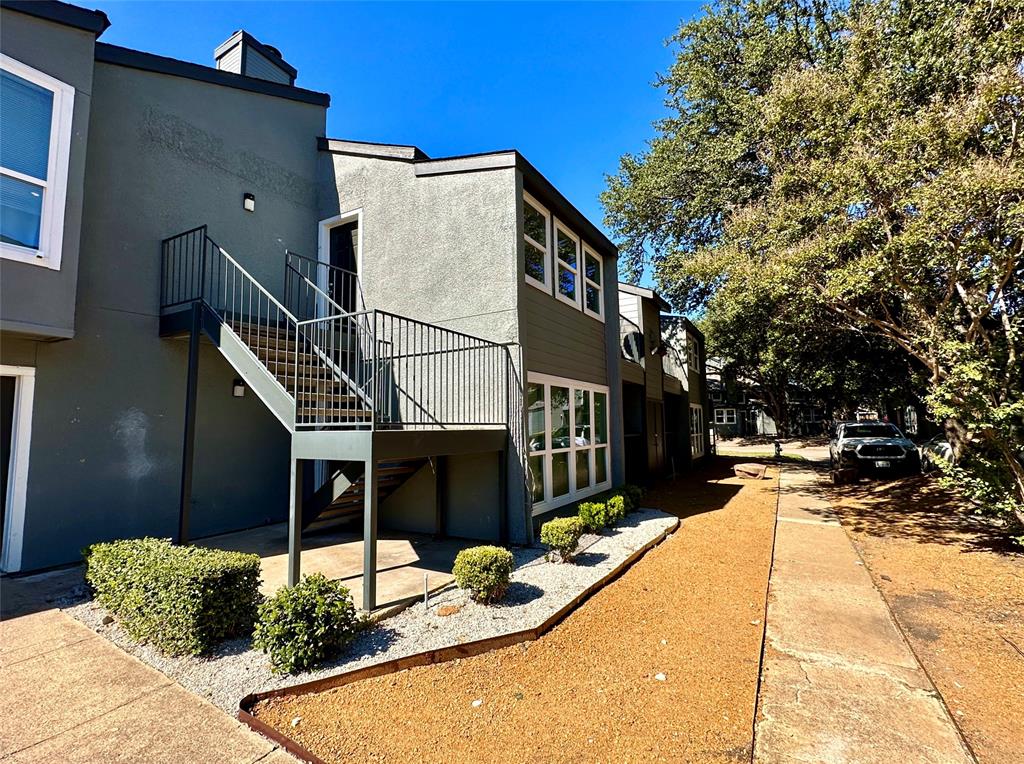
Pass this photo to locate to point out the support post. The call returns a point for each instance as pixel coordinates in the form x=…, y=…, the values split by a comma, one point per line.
x=440, y=496
x=503, y=530
x=370, y=536
x=188, y=447
x=295, y=522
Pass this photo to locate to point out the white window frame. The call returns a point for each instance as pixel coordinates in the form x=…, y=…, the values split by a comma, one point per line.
x=696, y=431
x=51, y=222
x=550, y=502
x=545, y=285
x=558, y=263
x=728, y=416
x=599, y=315
x=17, y=474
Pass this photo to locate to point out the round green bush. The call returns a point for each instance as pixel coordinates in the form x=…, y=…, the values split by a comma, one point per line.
x=634, y=495
x=594, y=515
x=303, y=625
x=616, y=508
x=562, y=536
x=484, y=571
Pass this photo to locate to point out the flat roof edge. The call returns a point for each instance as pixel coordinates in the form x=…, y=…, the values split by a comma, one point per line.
x=150, y=62
x=62, y=13
x=364, y=148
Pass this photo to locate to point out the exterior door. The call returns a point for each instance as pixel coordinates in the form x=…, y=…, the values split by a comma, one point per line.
x=344, y=244
x=655, y=437
x=696, y=431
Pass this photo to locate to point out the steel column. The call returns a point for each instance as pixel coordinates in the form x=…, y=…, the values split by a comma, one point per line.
x=503, y=530
x=295, y=522
x=440, y=496
x=188, y=447
x=370, y=535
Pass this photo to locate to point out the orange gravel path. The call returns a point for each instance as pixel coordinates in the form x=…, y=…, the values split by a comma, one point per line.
x=691, y=609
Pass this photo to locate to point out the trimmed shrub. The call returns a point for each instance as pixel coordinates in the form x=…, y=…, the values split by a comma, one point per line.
x=562, y=536
x=634, y=495
x=184, y=600
x=484, y=571
x=594, y=515
x=616, y=508
x=301, y=626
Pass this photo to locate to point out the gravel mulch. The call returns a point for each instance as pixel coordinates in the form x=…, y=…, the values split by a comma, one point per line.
x=539, y=589
x=660, y=665
x=956, y=588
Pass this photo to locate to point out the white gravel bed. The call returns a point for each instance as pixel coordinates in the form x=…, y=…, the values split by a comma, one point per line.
x=539, y=588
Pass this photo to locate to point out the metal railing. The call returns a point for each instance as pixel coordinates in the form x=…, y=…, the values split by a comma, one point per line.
x=314, y=288
x=631, y=340
x=344, y=369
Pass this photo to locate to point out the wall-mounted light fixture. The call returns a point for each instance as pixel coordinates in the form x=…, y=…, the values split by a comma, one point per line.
x=238, y=389
x=249, y=202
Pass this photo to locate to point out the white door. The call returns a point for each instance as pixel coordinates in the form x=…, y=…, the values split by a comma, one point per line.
x=696, y=431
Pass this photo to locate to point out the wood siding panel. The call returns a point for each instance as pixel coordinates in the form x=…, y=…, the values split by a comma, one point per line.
x=563, y=341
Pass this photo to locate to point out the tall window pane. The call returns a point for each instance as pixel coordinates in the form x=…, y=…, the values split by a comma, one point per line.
x=582, y=469
x=25, y=118
x=537, y=473
x=536, y=431
x=560, y=435
x=593, y=294
x=534, y=262
x=535, y=224
x=559, y=474
x=583, y=433
x=567, y=249
x=600, y=418
x=600, y=465
x=593, y=268
x=566, y=282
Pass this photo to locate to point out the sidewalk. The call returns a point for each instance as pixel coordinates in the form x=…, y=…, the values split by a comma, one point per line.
x=71, y=696
x=838, y=683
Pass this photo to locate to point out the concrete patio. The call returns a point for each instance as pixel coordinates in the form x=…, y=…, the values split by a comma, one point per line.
x=402, y=559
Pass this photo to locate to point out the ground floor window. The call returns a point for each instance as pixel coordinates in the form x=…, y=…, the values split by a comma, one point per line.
x=725, y=416
x=17, y=385
x=697, y=430
x=567, y=431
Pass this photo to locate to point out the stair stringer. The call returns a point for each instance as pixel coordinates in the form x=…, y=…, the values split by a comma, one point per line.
x=255, y=375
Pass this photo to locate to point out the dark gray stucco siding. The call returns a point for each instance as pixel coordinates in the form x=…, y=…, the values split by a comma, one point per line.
x=33, y=299
x=165, y=154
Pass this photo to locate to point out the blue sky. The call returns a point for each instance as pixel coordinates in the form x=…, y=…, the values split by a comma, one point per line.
x=568, y=84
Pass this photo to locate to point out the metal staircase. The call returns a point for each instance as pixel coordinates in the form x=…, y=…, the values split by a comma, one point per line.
x=358, y=389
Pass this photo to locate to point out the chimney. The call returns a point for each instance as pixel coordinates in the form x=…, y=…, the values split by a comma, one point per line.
x=244, y=54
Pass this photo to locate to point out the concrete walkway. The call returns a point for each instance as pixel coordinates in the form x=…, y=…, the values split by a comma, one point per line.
x=68, y=695
x=839, y=683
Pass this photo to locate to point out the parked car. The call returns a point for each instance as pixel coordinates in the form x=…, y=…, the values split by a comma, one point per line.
x=935, y=451
x=873, y=447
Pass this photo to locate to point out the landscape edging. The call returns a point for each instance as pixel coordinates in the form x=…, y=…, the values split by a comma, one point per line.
x=430, y=657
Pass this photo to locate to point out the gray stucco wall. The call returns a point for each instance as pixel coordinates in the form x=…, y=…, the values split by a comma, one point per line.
x=441, y=249
x=165, y=154
x=33, y=299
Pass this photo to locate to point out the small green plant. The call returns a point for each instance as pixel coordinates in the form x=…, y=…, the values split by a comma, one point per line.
x=301, y=626
x=634, y=495
x=562, y=536
x=183, y=600
x=616, y=508
x=484, y=571
x=594, y=515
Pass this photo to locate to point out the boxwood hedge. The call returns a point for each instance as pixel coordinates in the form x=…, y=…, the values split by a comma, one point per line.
x=184, y=600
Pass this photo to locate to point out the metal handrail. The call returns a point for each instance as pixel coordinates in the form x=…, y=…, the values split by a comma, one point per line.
x=363, y=369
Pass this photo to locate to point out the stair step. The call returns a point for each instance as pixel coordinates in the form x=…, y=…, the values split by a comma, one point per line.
x=336, y=414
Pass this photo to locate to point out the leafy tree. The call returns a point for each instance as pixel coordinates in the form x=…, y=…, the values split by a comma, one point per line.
x=869, y=169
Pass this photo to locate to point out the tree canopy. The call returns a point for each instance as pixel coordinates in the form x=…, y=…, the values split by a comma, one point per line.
x=832, y=171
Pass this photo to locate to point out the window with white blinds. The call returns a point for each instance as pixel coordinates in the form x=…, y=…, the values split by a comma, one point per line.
x=35, y=138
